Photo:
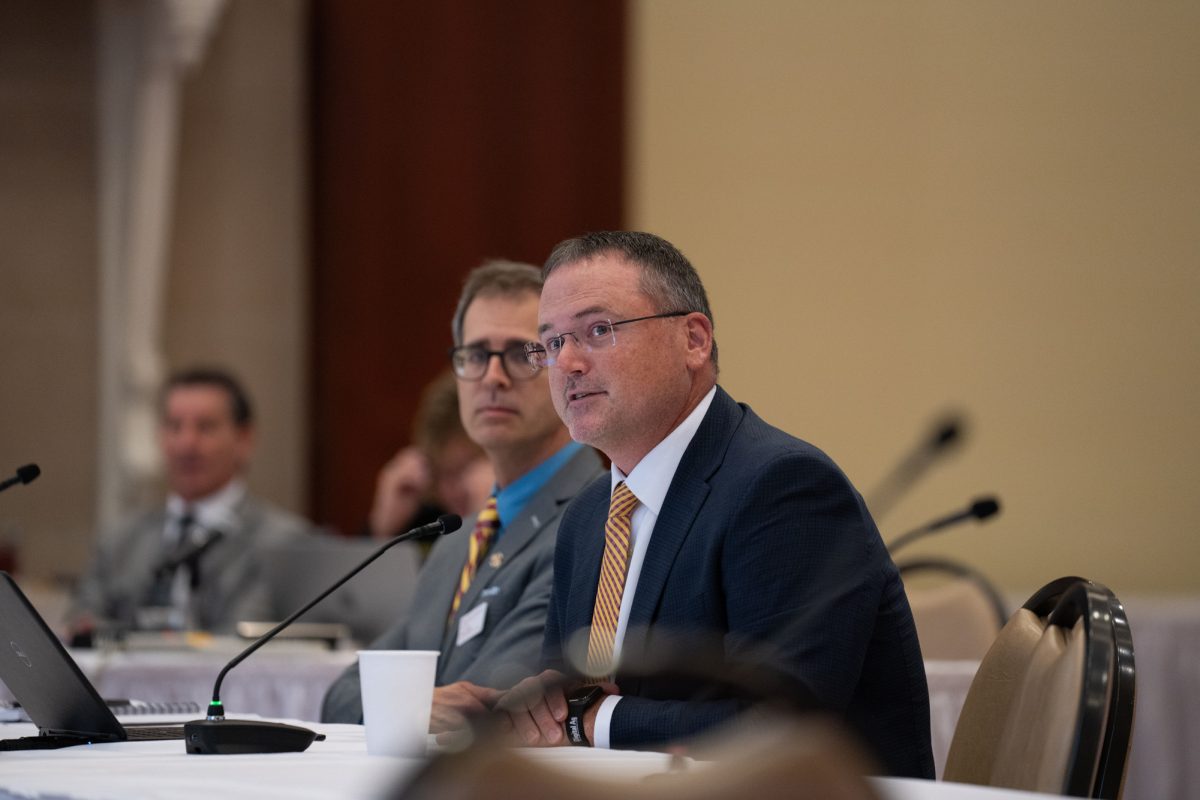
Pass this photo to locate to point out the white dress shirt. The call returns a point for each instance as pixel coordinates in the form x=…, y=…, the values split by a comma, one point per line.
x=649, y=481
x=212, y=513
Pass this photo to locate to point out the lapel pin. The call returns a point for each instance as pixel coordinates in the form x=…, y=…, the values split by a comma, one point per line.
x=495, y=560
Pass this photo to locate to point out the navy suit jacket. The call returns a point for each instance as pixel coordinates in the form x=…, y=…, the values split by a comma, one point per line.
x=765, y=551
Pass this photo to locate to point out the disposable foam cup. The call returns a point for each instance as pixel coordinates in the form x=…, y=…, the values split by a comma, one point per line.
x=397, y=699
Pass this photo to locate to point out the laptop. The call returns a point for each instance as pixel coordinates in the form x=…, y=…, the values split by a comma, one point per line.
x=46, y=681
x=369, y=603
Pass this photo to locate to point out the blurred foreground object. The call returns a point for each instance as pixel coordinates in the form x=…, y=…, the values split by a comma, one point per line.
x=780, y=759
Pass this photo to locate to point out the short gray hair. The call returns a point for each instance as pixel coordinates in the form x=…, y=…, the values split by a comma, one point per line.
x=668, y=278
x=496, y=277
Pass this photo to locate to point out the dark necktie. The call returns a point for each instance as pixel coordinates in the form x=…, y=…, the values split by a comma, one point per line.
x=164, y=578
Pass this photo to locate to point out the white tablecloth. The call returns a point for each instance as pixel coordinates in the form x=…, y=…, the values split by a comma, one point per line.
x=271, y=683
x=336, y=768
x=278, y=681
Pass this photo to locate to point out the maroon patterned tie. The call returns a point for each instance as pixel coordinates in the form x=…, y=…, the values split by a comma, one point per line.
x=486, y=525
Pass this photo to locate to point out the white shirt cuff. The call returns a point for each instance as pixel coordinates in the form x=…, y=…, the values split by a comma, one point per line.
x=604, y=720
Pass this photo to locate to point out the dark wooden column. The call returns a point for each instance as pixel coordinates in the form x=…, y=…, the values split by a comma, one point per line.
x=443, y=134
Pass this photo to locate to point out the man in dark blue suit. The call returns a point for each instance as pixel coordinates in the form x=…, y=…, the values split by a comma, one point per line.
x=714, y=528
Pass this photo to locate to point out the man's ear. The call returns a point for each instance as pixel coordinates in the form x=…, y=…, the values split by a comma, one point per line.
x=247, y=438
x=699, y=339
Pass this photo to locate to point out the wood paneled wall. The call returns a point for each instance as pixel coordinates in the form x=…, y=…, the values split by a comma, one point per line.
x=444, y=134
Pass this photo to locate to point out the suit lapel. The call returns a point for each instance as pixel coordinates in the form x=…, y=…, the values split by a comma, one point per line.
x=542, y=509
x=224, y=567
x=689, y=489
x=140, y=556
x=589, y=552
x=516, y=537
x=442, y=595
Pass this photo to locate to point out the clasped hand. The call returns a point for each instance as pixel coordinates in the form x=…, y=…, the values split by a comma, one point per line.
x=532, y=713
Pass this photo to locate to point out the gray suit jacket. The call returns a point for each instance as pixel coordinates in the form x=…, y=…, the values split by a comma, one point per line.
x=121, y=574
x=514, y=581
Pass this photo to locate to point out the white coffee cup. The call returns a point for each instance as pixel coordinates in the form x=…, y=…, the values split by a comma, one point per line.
x=397, y=699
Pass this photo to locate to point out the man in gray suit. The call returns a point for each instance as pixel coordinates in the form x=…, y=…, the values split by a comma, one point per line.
x=481, y=597
x=194, y=562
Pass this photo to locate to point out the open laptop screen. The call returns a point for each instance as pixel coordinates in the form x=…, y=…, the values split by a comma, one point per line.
x=43, y=677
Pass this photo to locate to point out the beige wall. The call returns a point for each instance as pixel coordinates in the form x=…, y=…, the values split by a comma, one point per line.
x=899, y=209
x=48, y=279
x=905, y=208
x=237, y=285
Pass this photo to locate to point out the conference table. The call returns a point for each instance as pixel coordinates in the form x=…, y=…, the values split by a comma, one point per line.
x=338, y=767
x=288, y=681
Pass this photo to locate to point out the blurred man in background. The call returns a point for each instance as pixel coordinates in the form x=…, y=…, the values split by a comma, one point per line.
x=194, y=562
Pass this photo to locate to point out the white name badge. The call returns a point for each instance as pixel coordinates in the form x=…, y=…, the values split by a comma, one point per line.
x=470, y=624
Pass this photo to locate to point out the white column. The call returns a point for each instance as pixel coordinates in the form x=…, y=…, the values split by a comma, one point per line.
x=145, y=46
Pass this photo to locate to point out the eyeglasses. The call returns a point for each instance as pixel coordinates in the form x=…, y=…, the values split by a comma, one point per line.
x=470, y=362
x=599, y=335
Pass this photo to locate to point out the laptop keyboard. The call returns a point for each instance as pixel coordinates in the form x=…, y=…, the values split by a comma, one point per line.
x=152, y=732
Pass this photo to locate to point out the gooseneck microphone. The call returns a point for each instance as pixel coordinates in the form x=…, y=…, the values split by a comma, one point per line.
x=981, y=509
x=25, y=474
x=945, y=436
x=218, y=736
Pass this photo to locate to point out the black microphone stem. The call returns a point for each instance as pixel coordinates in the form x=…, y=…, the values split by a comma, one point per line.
x=25, y=474
x=980, y=510
x=908, y=538
x=216, y=710
x=945, y=436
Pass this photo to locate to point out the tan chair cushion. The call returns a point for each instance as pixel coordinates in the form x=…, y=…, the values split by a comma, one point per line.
x=1036, y=746
x=982, y=721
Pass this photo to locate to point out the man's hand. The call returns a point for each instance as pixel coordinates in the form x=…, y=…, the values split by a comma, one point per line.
x=536, y=708
x=402, y=483
x=454, y=703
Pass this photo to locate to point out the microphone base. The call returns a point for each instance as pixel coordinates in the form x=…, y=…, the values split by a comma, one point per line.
x=234, y=736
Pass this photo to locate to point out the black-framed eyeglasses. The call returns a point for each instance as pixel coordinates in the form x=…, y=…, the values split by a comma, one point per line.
x=598, y=335
x=470, y=361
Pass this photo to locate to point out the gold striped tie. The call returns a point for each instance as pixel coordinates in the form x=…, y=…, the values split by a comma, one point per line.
x=612, y=582
x=486, y=525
